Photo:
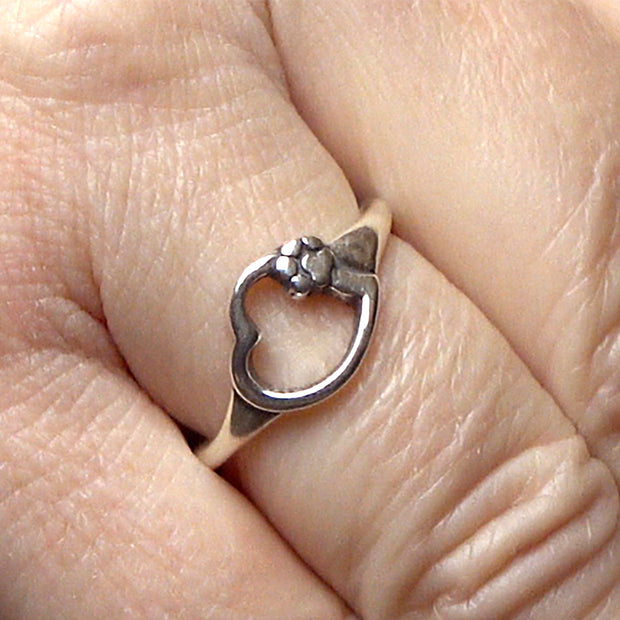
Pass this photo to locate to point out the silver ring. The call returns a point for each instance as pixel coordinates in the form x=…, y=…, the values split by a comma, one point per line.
x=344, y=269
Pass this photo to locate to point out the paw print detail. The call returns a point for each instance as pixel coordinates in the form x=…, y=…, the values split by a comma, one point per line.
x=304, y=266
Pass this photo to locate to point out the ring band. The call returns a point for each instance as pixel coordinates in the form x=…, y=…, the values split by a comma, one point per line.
x=344, y=269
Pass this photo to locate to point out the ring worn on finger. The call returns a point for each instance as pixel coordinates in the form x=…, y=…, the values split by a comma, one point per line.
x=344, y=269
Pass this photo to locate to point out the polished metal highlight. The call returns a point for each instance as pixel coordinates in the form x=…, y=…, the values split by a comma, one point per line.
x=344, y=269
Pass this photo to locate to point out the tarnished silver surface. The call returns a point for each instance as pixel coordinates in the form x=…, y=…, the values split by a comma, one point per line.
x=305, y=266
x=344, y=269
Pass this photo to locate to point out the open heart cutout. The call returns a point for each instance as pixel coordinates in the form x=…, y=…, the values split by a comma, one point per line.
x=343, y=269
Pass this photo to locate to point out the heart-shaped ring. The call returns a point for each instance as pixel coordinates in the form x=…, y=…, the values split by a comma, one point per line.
x=344, y=269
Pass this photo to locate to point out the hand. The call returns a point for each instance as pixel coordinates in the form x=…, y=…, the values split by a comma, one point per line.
x=151, y=150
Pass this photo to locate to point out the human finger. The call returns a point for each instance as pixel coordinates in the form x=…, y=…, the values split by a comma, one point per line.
x=493, y=130
x=446, y=481
x=103, y=508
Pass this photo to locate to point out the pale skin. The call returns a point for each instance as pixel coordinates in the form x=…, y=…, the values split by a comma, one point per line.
x=150, y=150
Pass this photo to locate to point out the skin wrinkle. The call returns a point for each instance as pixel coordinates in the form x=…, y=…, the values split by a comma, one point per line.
x=591, y=305
x=131, y=167
x=604, y=391
x=99, y=535
x=74, y=329
x=525, y=547
x=220, y=132
x=130, y=79
x=13, y=361
x=591, y=191
x=605, y=608
x=94, y=419
x=83, y=490
x=83, y=427
x=35, y=228
x=459, y=513
x=533, y=598
x=43, y=388
x=593, y=194
x=459, y=500
x=610, y=551
x=84, y=393
x=483, y=480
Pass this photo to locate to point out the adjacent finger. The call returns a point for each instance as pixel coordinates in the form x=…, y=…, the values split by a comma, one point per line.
x=493, y=130
x=104, y=511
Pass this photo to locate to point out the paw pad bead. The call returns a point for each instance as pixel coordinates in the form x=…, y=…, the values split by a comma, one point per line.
x=304, y=266
x=286, y=267
x=319, y=265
